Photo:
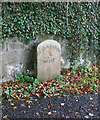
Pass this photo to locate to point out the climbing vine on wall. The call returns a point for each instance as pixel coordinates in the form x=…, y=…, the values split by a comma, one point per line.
x=74, y=21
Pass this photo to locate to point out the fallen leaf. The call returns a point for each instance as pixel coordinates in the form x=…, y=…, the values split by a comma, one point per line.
x=29, y=95
x=91, y=105
x=17, y=96
x=35, y=99
x=67, y=116
x=54, y=111
x=46, y=82
x=90, y=114
x=86, y=116
x=68, y=73
x=37, y=114
x=29, y=101
x=48, y=113
x=17, y=80
x=25, y=95
x=22, y=99
x=14, y=107
x=12, y=103
x=41, y=85
x=52, y=105
x=29, y=106
x=91, y=98
x=45, y=108
x=9, y=100
x=38, y=95
x=48, y=106
x=62, y=104
x=5, y=116
x=56, y=94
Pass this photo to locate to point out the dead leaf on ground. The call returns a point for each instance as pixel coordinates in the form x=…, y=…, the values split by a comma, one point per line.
x=35, y=99
x=48, y=106
x=91, y=105
x=29, y=101
x=5, y=116
x=86, y=116
x=48, y=113
x=52, y=105
x=54, y=111
x=29, y=106
x=90, y=114
x=38, y=114
x=67, y=116
x=45, y=108
x=62, y=104
x=14, y=107
x=22, y=99
x=91, y=98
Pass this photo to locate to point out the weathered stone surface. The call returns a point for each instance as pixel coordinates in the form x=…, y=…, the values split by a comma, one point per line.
x=48, y=60
x=15, y=57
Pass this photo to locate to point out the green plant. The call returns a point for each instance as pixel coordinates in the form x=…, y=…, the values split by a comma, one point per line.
x=76, y=22
x=23, y=77
x=19, y=77
x=63, y=70
x=26, y=85
x=74, y=68
x=85, y=82
x=85, y=66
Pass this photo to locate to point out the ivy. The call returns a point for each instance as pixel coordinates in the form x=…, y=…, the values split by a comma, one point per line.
x=76, y=22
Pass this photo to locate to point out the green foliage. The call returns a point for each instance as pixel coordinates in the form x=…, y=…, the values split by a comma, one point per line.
x=26, y=78
x=63, y=70
x=76, y=22
x=86, y=82
x=84, y=67
x=21, y=79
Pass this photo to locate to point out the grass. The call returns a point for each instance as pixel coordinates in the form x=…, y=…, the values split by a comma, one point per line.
x=79, y=80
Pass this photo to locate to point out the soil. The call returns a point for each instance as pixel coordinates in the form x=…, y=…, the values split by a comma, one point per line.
x=57, y=107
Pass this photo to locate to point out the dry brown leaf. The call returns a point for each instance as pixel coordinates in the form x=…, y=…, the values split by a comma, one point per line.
x=48, y=106
x=22, y=99
x=14, y=107
x=35, y=99
x=52, y=105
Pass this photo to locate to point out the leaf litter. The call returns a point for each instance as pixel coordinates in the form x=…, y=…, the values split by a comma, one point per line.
x=82, y=90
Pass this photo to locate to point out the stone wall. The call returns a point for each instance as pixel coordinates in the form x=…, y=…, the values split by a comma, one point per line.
x=15, y=57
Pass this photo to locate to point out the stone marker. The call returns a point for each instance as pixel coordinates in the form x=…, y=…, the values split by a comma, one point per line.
x=48, y=60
